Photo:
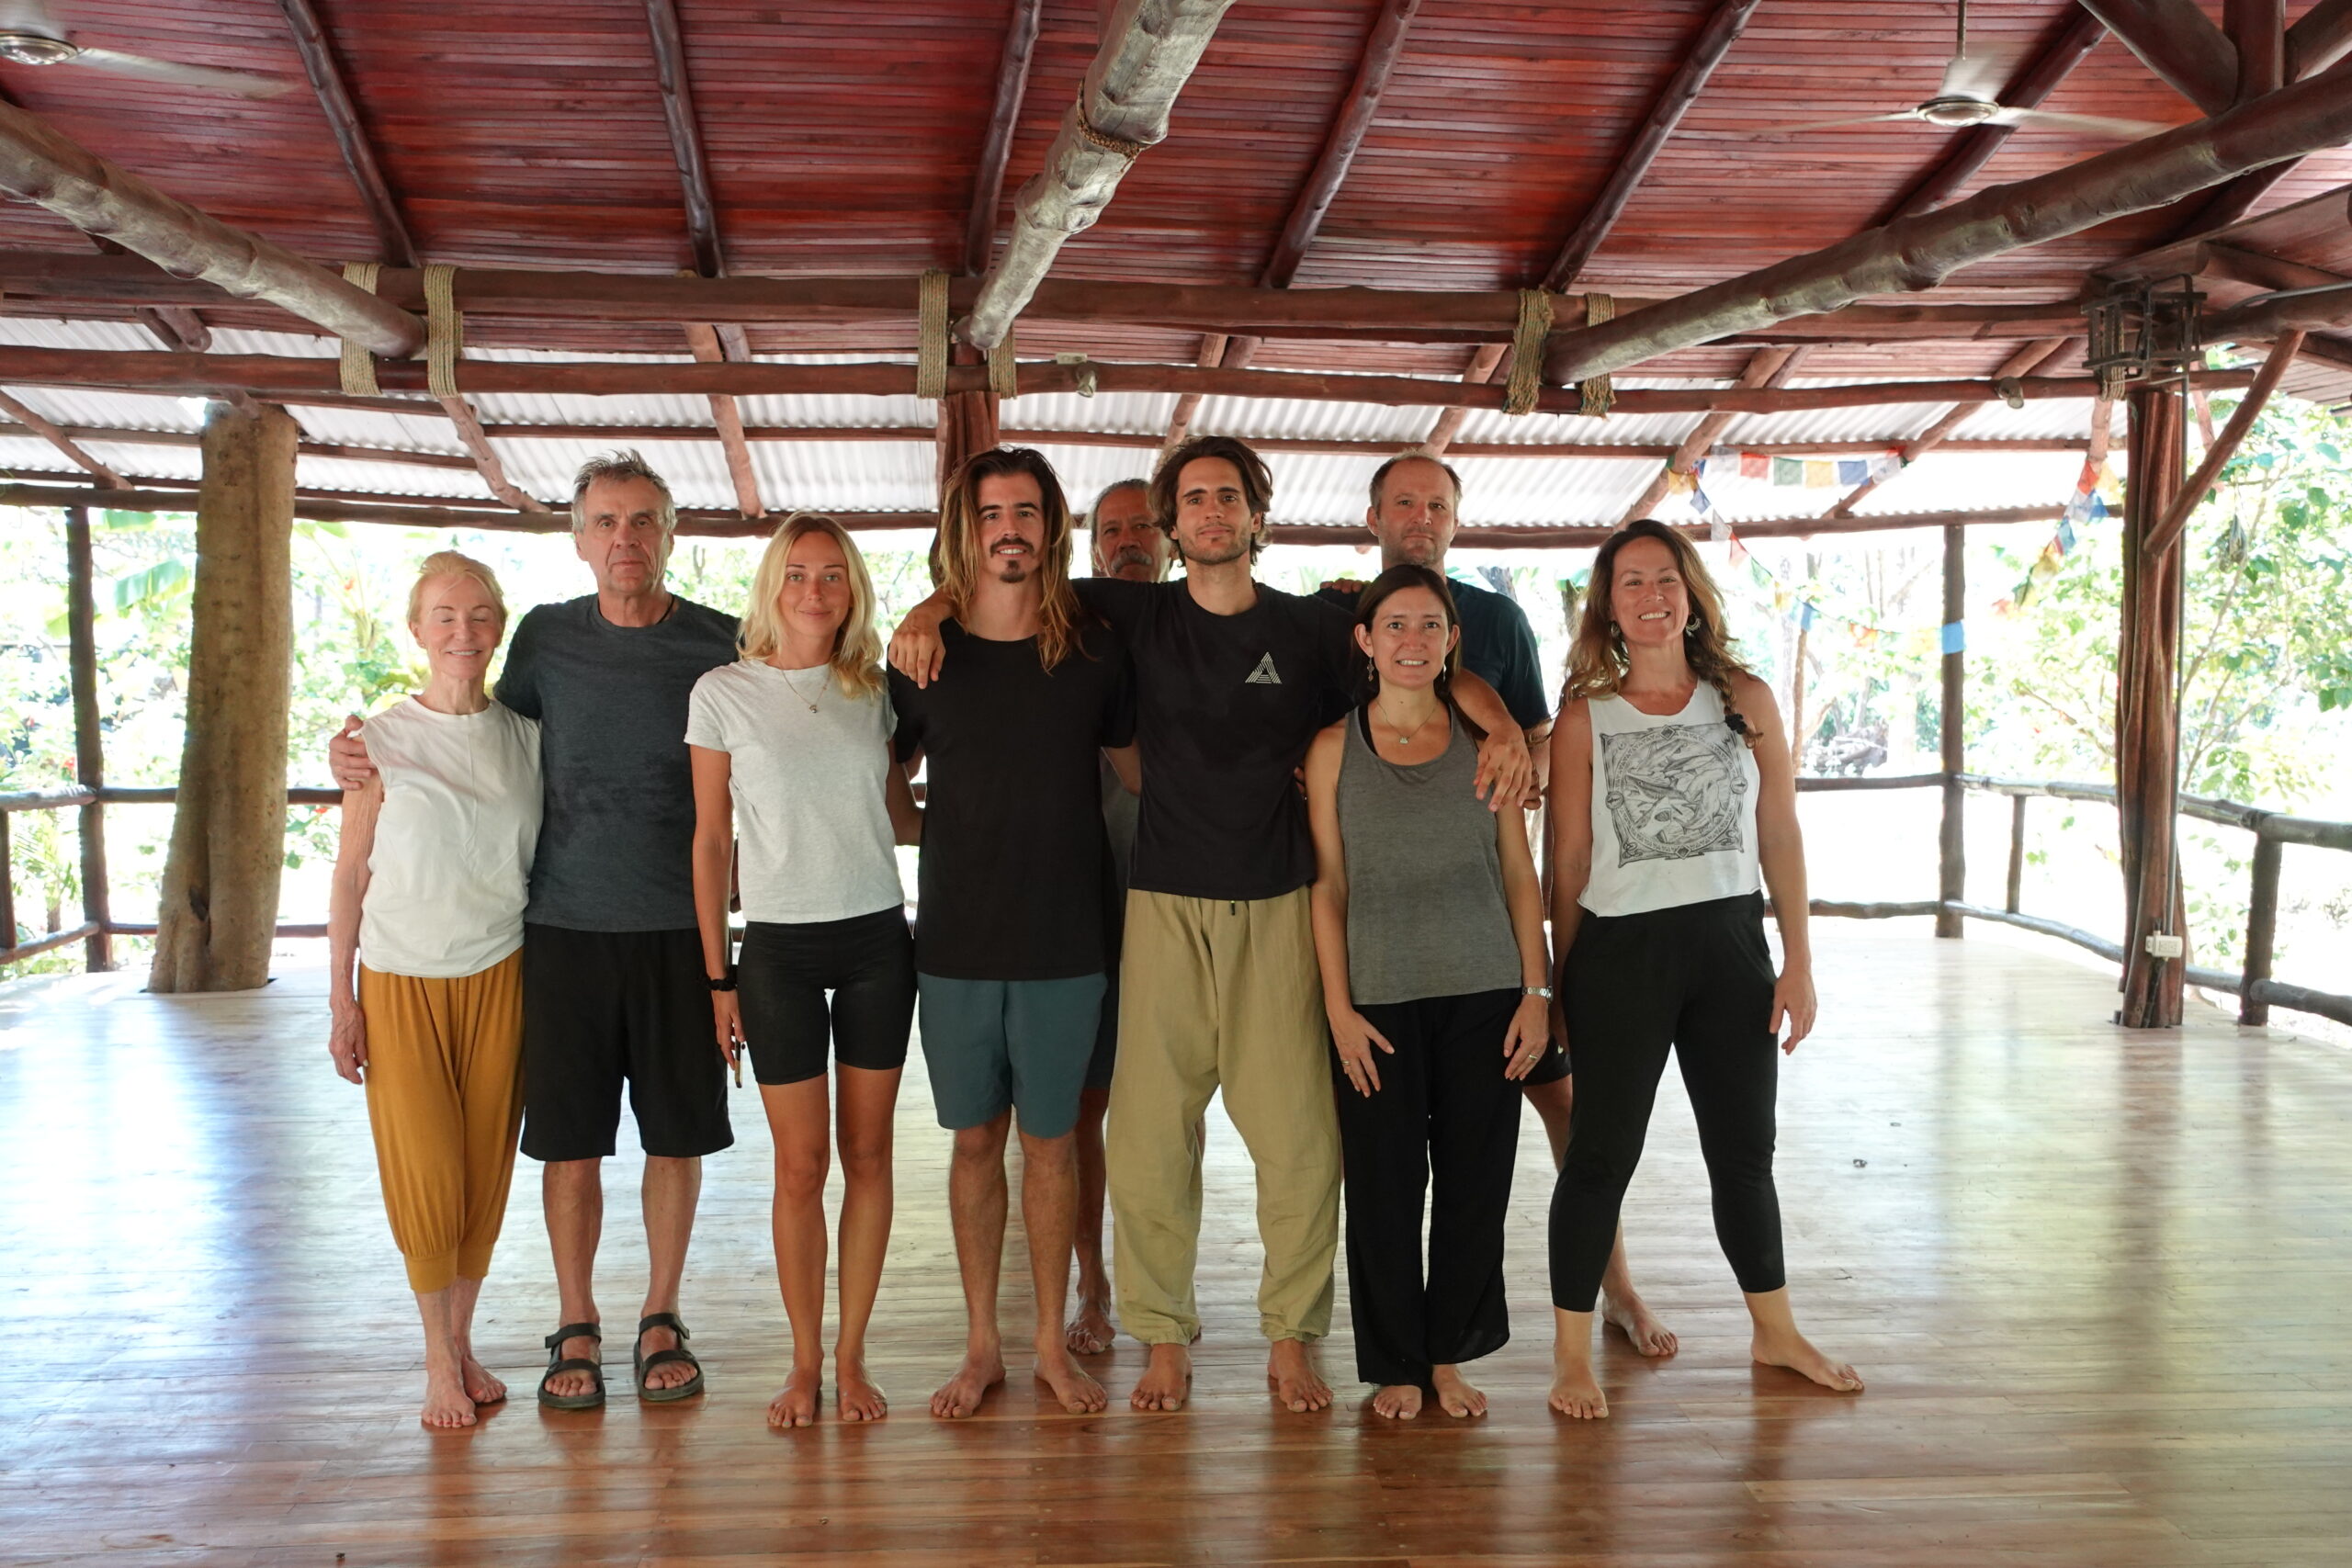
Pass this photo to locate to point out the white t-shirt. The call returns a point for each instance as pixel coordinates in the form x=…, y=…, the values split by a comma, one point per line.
x=451, y=868
x=810, y=810
x=1673, y=807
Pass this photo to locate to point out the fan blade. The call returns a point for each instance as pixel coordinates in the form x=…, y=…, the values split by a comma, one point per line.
x=244, y=84
x=2097, y=125
x=1981, y=73
x=1775, y=130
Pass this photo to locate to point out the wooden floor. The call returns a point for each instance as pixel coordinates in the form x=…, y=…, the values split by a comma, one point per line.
x=2101, y=1285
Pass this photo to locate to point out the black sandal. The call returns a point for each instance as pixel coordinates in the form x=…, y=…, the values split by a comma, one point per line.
x=646, y=1363
x=558, y=1362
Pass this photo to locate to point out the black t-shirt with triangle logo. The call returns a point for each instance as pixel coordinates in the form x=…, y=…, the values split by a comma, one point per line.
x=1225, y=708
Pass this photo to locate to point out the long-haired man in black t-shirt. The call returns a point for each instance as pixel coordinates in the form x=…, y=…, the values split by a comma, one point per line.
x=1218, y=981
x=1011, y=949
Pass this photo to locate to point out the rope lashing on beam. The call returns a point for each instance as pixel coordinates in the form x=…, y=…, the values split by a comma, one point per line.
x=444, y=329
x=1004, y=374
x=358, y=365
x=931, y=351
x=1596, y=394
x=1114, y=145
x=1526, y=383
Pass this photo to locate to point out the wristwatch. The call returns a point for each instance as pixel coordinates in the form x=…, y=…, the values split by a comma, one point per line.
x=1543, y=992
x=722, y=982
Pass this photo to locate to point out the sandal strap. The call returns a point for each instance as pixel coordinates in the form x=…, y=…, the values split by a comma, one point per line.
x=663, y=1358
x=574, y=1331
x=575, y=1364
x=668, y=1320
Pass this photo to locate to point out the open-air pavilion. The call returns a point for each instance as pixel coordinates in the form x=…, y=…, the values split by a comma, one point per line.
x=409, y=263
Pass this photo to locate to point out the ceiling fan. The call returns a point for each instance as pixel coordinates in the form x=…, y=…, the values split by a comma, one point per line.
x=29, y=35
x=1969, y=96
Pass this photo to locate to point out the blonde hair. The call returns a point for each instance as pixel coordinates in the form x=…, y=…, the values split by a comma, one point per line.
x=1597, y=661
x=960, y=562
x=449, y=563
x=857, y=647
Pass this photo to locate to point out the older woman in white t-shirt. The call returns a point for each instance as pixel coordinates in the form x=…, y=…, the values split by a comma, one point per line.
x=791, y=748
x=430, y=881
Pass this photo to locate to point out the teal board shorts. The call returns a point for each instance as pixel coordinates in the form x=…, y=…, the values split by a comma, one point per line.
x=1026, y=1045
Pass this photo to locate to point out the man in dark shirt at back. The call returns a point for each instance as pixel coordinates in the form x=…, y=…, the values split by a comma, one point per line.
x=1218, y=979
x=1415, y=505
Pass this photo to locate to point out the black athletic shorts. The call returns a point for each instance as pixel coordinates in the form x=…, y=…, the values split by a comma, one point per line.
x=782, y=973
x=1550, y=1067
x=602, y=1007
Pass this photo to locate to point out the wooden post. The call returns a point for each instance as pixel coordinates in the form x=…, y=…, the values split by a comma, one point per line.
x=2017, y=853
x=967, y=423
x=1952, y=842
x=8, y=890
x=89, y=746
x=2147, y=739
x=219, y=904
x=2261, y=929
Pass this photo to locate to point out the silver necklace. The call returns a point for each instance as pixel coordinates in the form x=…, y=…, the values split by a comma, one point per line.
x=803, y=696
x=1402, y=739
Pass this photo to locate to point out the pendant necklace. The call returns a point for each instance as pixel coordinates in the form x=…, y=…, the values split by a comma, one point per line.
x=1402, y=739
x=803, y=696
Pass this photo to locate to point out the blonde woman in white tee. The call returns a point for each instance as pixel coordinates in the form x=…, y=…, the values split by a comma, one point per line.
x=430, y=880
x=792, y=754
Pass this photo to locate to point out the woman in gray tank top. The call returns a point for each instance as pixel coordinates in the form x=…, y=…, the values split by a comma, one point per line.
x=1429, y=930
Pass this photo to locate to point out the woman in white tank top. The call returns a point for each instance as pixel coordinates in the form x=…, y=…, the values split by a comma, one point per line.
x=430, y=880
x=1673, y=804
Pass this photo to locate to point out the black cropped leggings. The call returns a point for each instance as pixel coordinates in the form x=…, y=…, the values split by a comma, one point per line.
x=1698, y=978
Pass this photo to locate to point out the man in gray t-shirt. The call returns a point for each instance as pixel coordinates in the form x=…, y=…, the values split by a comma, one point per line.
x=614, y=989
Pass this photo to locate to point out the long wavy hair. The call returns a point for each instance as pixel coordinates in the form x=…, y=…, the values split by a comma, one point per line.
x=857, y=647
x=1597, y=661
x=961, y=555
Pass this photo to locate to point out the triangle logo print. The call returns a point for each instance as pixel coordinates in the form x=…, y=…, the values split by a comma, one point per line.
x=1264, y=674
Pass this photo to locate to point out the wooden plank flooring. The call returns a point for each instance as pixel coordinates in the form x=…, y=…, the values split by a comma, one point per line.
x=2100, y=1284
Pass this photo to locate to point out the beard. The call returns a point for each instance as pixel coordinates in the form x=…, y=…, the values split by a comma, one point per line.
x=1418, y=550
x=1232, y=552
x=1133, y=556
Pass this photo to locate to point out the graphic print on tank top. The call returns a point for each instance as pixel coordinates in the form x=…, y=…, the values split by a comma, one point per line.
x=1674, y=793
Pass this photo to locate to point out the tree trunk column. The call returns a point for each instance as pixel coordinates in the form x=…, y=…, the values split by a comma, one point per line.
x=967, y=422
x=218, y=908
x=2147, y=731
x=1952, y=871
x=89, y=745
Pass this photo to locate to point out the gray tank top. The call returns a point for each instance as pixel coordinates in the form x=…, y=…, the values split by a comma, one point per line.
x=1426, y=911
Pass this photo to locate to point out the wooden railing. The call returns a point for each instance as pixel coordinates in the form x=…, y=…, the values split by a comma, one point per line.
x=98, y=926
x=2254, y=987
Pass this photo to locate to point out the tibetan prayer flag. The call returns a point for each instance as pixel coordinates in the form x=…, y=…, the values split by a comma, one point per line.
x=1787, y=471
x=1738, y=546
x=1955, y=637
x=1755, y=466
x=1819, y=475
x=1852, y=470
x=1807, y=616
x=1865, y=637
x=1679, y=481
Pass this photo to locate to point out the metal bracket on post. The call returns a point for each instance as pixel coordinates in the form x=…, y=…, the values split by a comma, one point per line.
x=2144, y=329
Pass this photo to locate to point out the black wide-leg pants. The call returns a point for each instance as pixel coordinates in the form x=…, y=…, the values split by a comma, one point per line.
x=1443, y=1125
x=1696, y=978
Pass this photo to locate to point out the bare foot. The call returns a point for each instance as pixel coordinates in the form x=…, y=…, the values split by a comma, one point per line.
x=1166, y=1380
x=1795, y=1352
x=578, y=1347
x=1089, y=1333
x=447, y=1408
x=480, y=1386
x=797, y=1405
x=856, y=1397
x=1576, y=1392
x=960, y=1396
x=1291, y=1369
x=1455, y=1395
x=1078, y=1394
x=1397, y=1401
x=1633, y=1317
x=669, y=1374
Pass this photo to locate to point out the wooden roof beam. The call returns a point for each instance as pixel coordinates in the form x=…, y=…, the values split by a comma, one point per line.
x=996, y=147
x=1180, y=423
x=1940, y=429
x=685, y=137
x=1149, y=51
x=2258, y=30
x=727, y=419
x=1766, y=368
x=291, y=380
x=41, y=425
x=102, y=198
x=1382, y=49
x=1973, y=147
x=1920, y=252
x=317, y=50
x=2169, y=526
x=467, y=425
x=2177, y=42
x=1717, y=35
x=2275, y=315
x=2321, y=37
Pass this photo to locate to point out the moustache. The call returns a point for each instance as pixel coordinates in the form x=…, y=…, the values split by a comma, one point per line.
x=1131, y=555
